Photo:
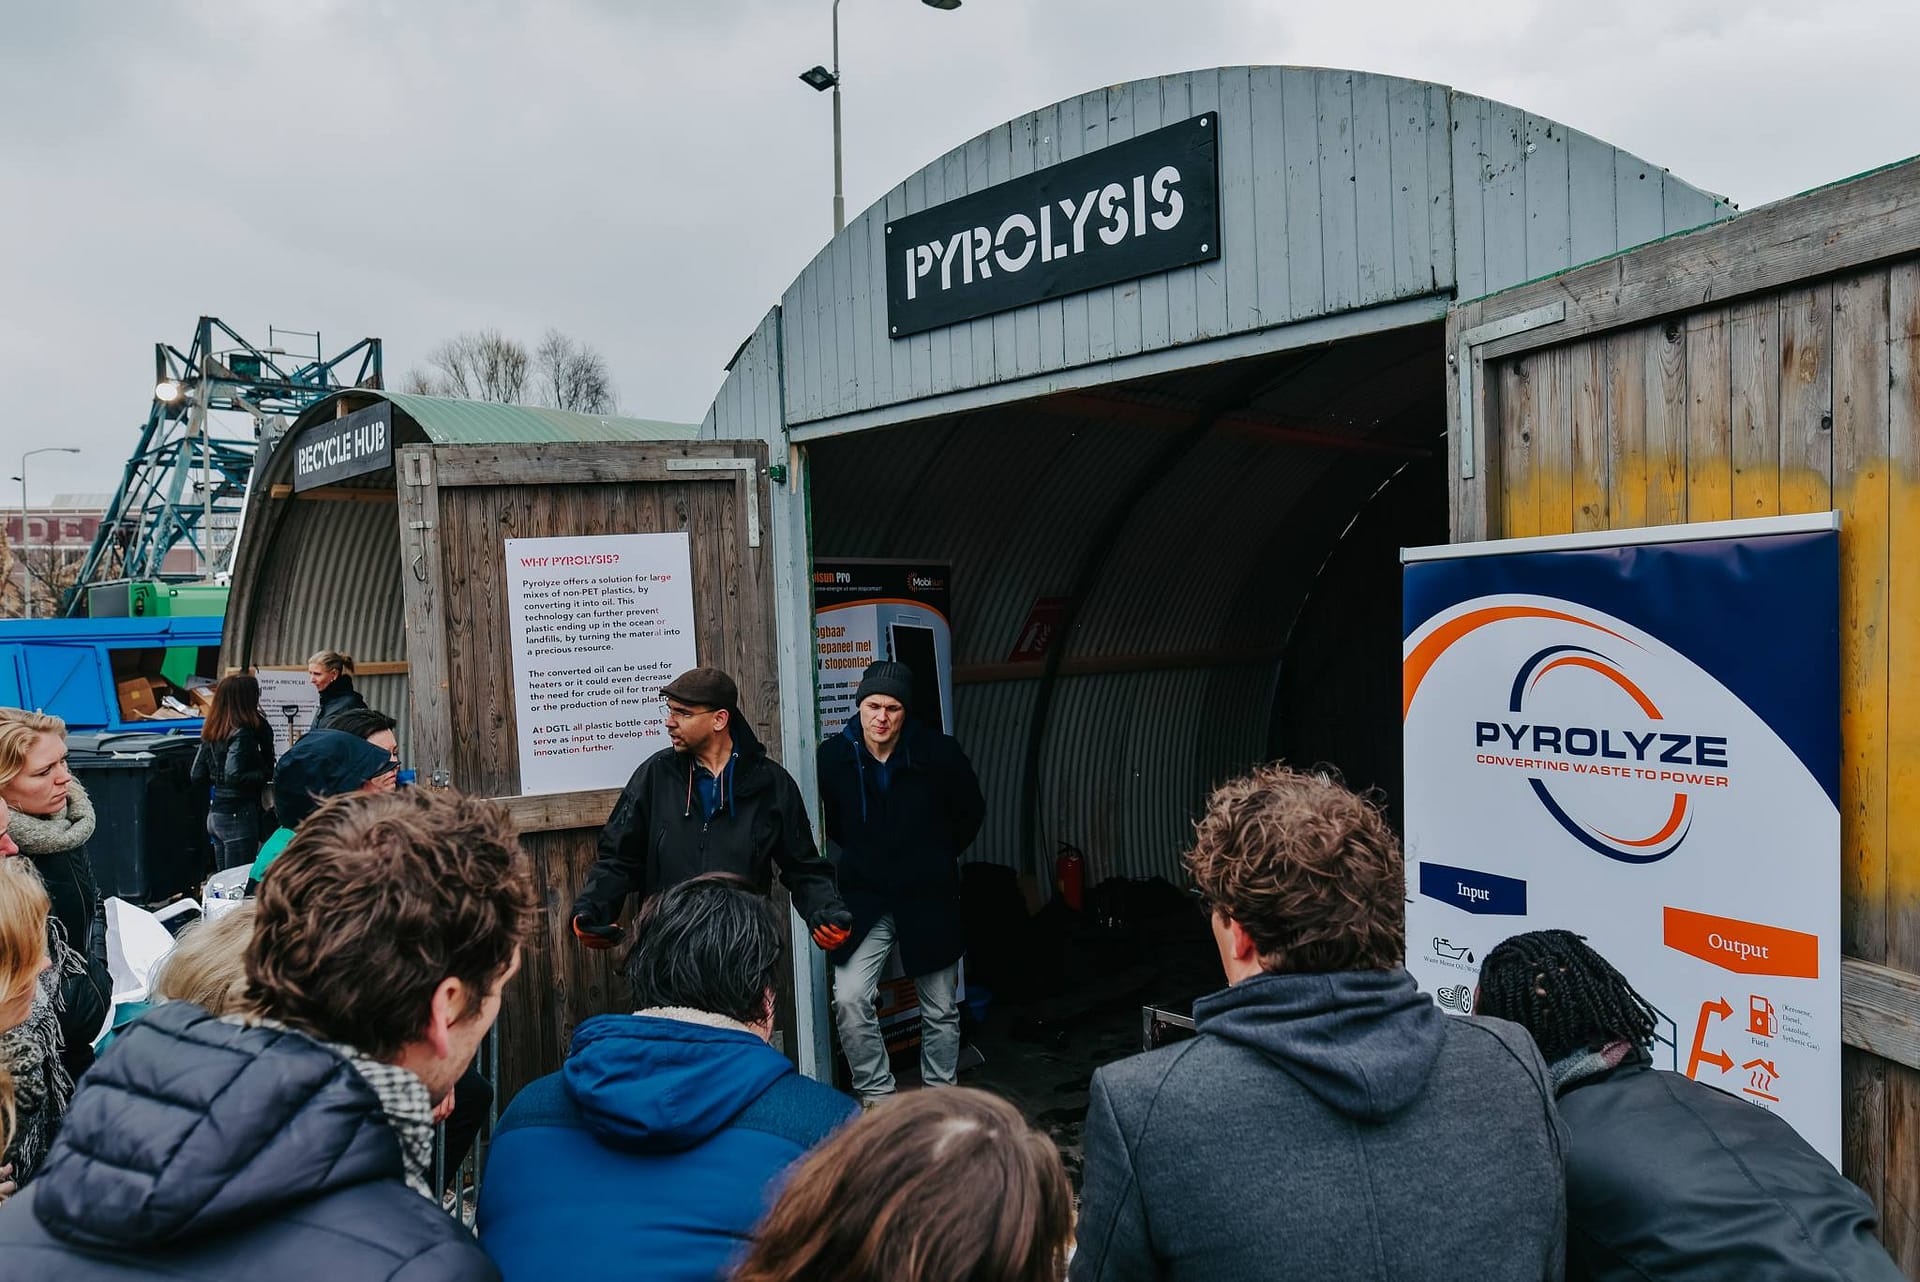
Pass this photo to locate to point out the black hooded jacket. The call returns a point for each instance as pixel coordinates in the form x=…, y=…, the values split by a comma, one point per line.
x=657, y=836
x=900, y=845
x=1669, y=1178
x=338, y=697
x=200, y=1149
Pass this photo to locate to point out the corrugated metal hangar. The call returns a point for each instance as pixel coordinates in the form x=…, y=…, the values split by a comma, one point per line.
x=1170, y=356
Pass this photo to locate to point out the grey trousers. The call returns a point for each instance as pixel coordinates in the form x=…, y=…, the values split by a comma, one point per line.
x=856, y=981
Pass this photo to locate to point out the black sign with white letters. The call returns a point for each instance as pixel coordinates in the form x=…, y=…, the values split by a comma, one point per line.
x=1146, y=205
x=361, y=442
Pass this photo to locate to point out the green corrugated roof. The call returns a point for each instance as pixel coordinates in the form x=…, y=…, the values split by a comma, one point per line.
x=455, y=422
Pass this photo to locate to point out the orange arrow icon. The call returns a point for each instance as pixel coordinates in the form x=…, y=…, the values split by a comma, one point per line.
x=1699, y=1055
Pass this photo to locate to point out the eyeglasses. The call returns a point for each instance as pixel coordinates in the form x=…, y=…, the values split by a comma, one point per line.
x=679, y=713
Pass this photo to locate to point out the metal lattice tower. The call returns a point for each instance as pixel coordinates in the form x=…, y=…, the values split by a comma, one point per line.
x=186, y=485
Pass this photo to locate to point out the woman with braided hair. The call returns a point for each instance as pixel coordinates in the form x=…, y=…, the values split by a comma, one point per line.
x=1666, y=1177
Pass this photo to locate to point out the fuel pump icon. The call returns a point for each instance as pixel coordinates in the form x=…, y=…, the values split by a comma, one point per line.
x=1760, y=1020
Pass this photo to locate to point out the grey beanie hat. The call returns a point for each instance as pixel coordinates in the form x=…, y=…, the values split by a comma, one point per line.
x=895, y=680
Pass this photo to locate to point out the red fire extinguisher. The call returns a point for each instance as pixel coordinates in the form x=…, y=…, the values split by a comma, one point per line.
x=1070, y=875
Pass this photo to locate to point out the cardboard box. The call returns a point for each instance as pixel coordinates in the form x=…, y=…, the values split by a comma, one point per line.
x=136, y=699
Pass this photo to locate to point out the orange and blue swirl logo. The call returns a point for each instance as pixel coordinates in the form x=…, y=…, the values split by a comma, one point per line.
x=1597, y=745
x=1541, y=738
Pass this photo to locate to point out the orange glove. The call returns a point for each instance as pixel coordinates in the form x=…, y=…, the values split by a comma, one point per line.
x=595, y=936
x=832, y=927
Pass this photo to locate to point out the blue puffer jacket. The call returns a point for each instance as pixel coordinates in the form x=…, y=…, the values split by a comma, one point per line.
x=200, y=1149
x=652, y=1153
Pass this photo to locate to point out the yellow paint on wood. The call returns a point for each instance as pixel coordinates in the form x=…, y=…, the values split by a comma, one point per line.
x=1666, y=401
x=1753, y=341
x=1903, y=614
x=1519, y=477
x=1861, y=491
x=1709, y=416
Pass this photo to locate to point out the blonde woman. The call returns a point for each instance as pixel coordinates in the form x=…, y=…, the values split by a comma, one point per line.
x=34, y=1088
x=52, y=821
x=331, y=672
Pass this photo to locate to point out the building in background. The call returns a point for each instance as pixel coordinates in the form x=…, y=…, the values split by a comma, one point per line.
x=50, y=551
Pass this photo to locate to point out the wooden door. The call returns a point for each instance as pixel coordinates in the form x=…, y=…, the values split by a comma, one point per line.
x=459, y=505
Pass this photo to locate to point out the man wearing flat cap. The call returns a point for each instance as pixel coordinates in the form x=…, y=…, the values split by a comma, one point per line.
x=712, y=802
x=901, y=802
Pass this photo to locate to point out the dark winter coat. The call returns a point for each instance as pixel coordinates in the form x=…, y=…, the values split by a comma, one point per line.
x=338, y=697
x=651, y=1154
x=58, y=846
x=658, y=835
x=200, y=1149
x=900, y=845
x=1320, y=1127
x=237, y=768
x=1669, y=1178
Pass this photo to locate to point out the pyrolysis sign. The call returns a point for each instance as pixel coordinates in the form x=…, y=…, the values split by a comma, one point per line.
x=1639, y=742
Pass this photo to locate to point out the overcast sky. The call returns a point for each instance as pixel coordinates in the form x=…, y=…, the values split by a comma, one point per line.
x=649, y=175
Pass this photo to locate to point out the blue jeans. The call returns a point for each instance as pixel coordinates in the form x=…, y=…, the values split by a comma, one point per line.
x=856, y=982
x=235, y=837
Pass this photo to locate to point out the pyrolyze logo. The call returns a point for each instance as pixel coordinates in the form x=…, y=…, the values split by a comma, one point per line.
x=1548, y=747
x=1602, y=751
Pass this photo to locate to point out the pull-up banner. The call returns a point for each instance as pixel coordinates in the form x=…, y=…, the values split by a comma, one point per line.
x=1635, y=736
x=1146, y=205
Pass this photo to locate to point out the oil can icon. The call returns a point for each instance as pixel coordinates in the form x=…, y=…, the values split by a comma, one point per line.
x=1760, y=1021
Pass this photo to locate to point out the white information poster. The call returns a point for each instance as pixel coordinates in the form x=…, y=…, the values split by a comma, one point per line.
x=599, y=623
x=289, y=702
x=1639, y=741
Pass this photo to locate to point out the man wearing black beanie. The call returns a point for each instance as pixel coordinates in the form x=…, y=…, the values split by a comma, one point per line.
x=901, y=802
x=713, y=801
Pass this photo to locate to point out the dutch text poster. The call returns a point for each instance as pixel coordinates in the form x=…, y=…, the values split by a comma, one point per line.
x=1640, y=743
x=289, y=703
x=895, y=610
x=599, y=624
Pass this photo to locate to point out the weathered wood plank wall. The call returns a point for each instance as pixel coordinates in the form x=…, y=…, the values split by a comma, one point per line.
x=485, y=496
x=1770, y=365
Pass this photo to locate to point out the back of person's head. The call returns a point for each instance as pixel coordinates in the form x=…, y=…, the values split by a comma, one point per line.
x=1308, y=868
x=708, y=944
x=940, y=1185
x=23, y=956
x=208, y=967
x=322, y=764
x=378, y=899
x=362, y=723
x=236, y=703
x=1554, y=985
x=335, y=661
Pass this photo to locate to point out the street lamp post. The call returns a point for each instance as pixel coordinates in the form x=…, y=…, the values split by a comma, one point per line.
x=26, y=572
x=820, y=78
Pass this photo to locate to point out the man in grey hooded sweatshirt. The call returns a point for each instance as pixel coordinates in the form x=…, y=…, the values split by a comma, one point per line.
x=1328, y=1121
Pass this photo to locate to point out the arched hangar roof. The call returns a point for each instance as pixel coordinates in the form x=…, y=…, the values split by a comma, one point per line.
x=1339, y=190
x=1185, y=453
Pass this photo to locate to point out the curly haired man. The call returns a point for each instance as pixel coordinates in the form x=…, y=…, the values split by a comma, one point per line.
x=1328, y=1121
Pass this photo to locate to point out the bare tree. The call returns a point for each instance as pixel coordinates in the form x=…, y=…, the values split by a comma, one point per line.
x=485, y=365
x=418, y=382
x=49, y=573
x=569, y=375
x=480, y=365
